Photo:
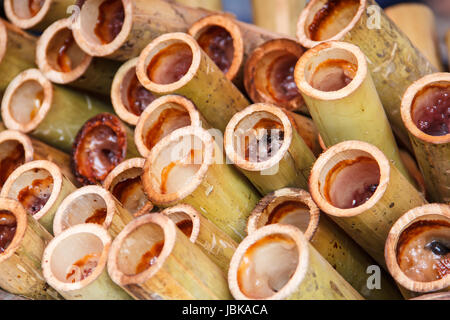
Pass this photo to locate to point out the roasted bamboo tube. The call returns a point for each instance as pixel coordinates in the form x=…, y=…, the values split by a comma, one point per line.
x=91, y=204
x=424, y=112
x=40, y=187
x=413, y=169
x=357, y=186
x=7, y=296
x=149, y=259
x=50, y=113
x=394, y=62
x=62, y=61
x=218, y=246
x=215, y=5
x=417, y=249
x=74, y=263
x=296, y=207
x=306, y=129
x=277, y=262
x=174, y=63
x=188, y=167
x=261, y=142
x=342, y=100
x=23, y=242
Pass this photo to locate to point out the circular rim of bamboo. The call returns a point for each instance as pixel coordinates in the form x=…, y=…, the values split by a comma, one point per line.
x=26, y=23
x=227, y=23
x=91, y=189
x=146, y=209
x=170, y=233
x=262, y=209
x=179, y=100
x=240, y=116
x=15, y=208
x=434, y=296
x=282, y=44
x=154, y=47
x=399, y=226
x=303, y=64
x=302, y=267
x=90, y=228
x=408, y=99
x=52, y=169
x=95, y=48
x=191, y=213
x=322, y=160
x=147, y=177
x=3, y=40
x=41, y=55
x=21, y=138
x=301, y=24
x=27, y=75
x=120, y=169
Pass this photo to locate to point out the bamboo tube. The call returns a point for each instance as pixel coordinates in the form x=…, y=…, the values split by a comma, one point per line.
x=150, y=257
x=417, y=249
x=199, y=79
x=306, y=129
x=269, y=74
x=447, y=40
x=101, y=144
x=341, y=97
x=434, y=296
x=393, y=61
x=50, y=113
x=214, y=243
x=40, y=187
x=7, y=296
x=188, y=167
x=124, y=183
x=20, y=263
x=277, y=262
x=62, y=61
x=215, y=5
x=295, y=207
x=261, y=142
x=413, y=170
x=91, y=204
x=74, y=263
x=129, y=98
x=424, y=113
x=357, y=186
x=424, y=35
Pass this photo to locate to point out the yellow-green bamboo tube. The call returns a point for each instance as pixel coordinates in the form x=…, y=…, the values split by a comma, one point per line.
x=28, y=185
x=288, y=164
x=369, y=222
x=353, y=111
x=295, y=207
x=307, y=130
x=215, y=5
x=218, y=246
x=167, y=278
x=290, y=270
x=70, y=248
x=204, y=83
x=57, y=119
x=213, y=187
x=20, y=263
x=432, y=151
x=392, y=59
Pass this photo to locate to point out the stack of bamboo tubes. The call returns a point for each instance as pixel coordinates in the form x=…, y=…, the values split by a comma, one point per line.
x=140, y=139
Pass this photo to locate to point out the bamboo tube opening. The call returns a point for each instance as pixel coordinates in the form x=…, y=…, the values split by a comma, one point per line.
x=425, y=108
x=26, y=13
x=349, y=178
x=287, y=206
x=269, y=74
x=13, y=224
x=163, y=116
x=124, y=182
x=76, y=257
x=169, y=62
x=58, y=55
x=90, y=204
x=186, y=219
x=417, y=250
x=177, y=165
x=100, y=145
x=325, y=20
x=129, y=98
x=26, y=101
x=221, y=39
x=258, y=137
x=103, y=26
x=253, y=275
